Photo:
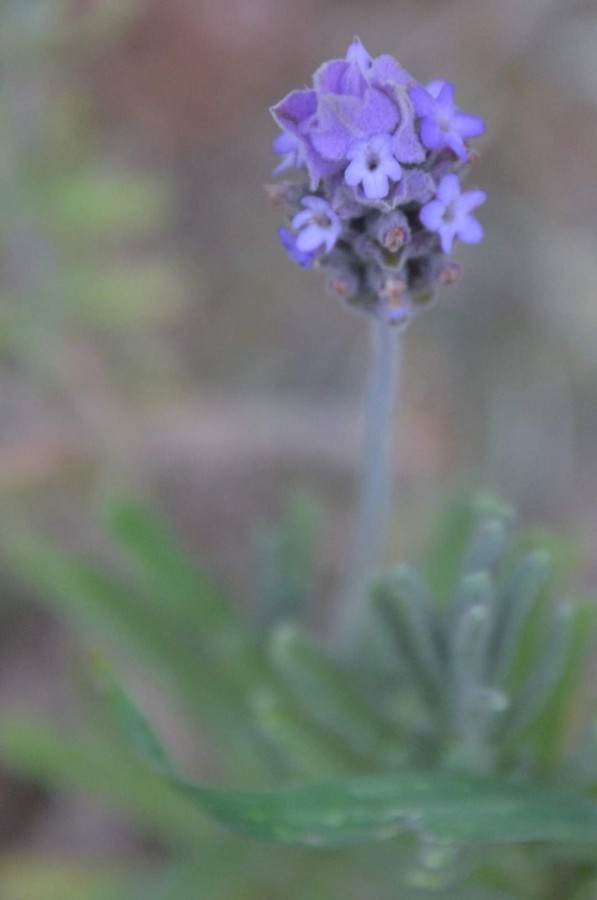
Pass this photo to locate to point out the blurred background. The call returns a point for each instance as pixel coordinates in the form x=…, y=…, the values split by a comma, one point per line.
x=155, y=338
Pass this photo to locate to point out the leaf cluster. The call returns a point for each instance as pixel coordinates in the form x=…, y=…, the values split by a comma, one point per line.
x=452, y=725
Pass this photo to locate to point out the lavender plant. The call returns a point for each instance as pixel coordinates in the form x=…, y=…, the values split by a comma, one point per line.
x=378, y=205
x=444, y=734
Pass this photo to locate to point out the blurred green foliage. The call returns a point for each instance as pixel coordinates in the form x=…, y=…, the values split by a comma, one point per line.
x=396, y=756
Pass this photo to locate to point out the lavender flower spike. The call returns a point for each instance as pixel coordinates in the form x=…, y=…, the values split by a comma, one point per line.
x=377, y=200
x=450, y=214
x=378, y=205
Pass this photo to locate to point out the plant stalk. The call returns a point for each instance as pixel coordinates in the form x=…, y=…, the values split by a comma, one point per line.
x=375, y=493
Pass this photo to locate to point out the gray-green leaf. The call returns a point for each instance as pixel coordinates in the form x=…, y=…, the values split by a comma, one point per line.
x=372, y=809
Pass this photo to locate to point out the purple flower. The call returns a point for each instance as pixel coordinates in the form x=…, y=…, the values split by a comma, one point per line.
x=287, y=146
x=373, y=165
x=349, y=110
x=449, y=215
x=317, y=225
x=442, y=123
x=352, y=100
x=296, y=114
x=300, y=257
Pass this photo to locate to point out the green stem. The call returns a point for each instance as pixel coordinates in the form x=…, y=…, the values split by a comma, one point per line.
x=376, y=482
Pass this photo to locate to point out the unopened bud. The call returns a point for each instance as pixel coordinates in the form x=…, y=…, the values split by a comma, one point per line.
x=285, y=193
x=395, y=238
x=392, y=231
x=450, y=274
x=344, y=284
x=395, y=306
x=393, y=290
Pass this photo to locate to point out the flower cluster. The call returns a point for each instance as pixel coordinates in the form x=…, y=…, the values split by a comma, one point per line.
x=380, y=203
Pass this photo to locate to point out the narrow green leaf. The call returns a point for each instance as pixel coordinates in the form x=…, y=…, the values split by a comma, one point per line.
x=486, y=546
x=536, y=691
x=373, y=809
x=179, y=590
x=118, y=619
x=101, y=768
x=517, y=600
x=443, y=562
x=474, y=589
x=304, y=747
x=480, y=721
x=190, y=597
x=581, y=766
x=552, y=728
x=286, y=563
x=94, y=597
x=409, y=614
x=454, y=537
x=325, y=693
x=135, y=727
x=468, y=660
